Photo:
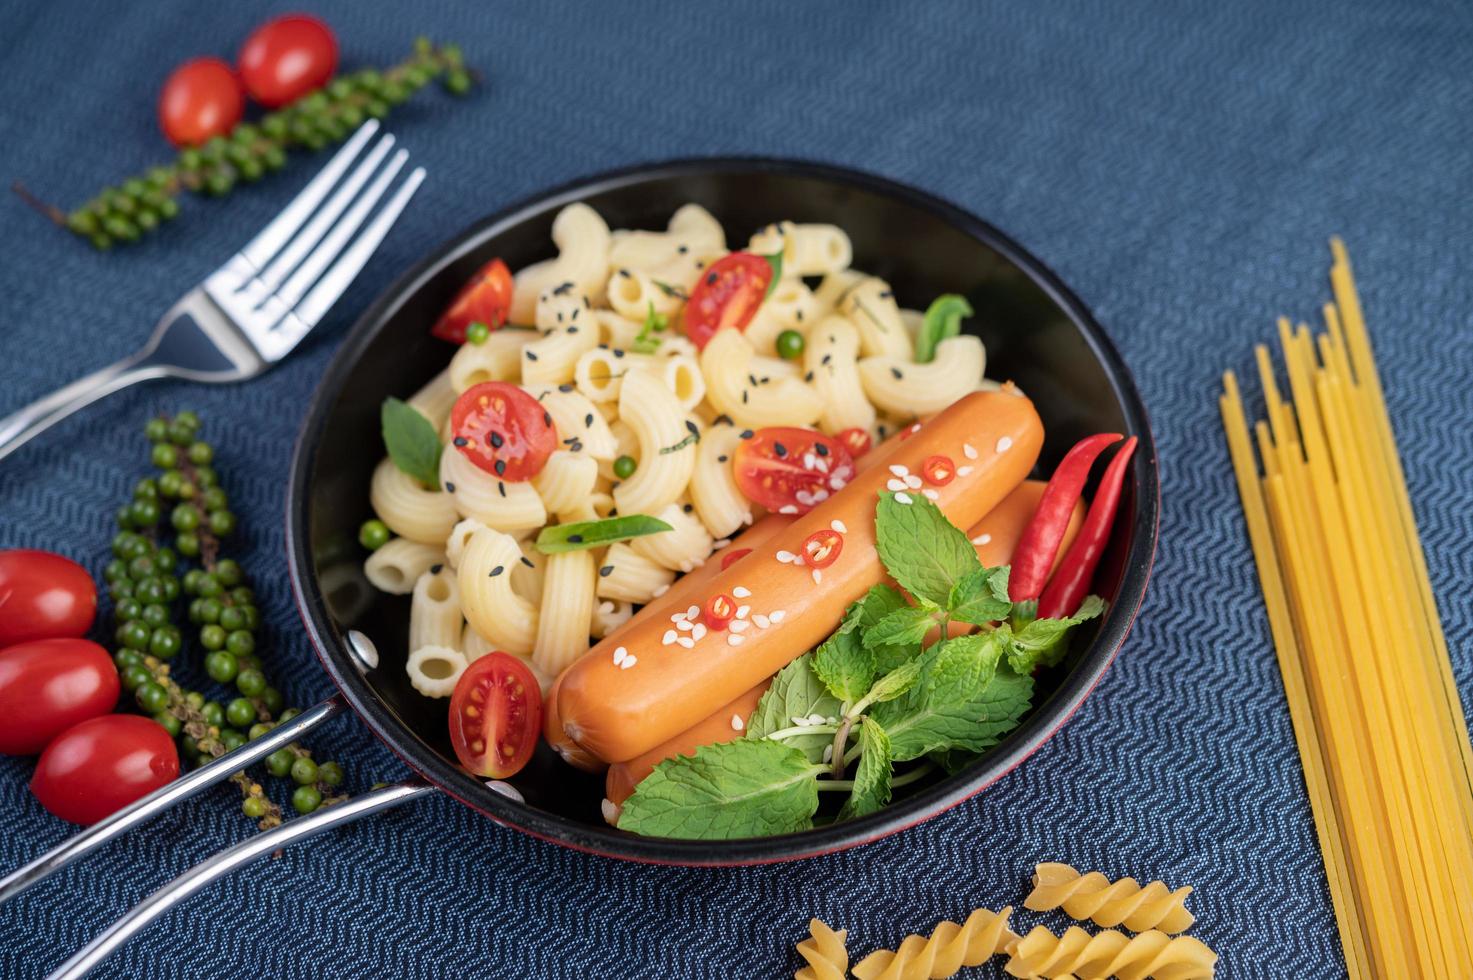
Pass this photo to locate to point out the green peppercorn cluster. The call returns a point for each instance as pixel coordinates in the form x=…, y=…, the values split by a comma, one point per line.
x=146, y=581
x=128, y=211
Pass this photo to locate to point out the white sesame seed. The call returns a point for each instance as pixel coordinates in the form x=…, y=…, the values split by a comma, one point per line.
x=801, y=720
x=777, y=615
x=629, y=661
x=669, y=637
x=839, y=526
x=785, y=556
x=820, y=495
x=837, y=483
x=722, y=543
x=816, y=719
x=610, y=810
x=660, y=591
x=899, y=470
x=963, y=471
x=817, y=576
x=930, y=494
x=738, y=625
x=678, y=617
x=913, y=481
x=733, y=640
x=620, y=654
x=742, y=611
x=605, y=607
x=692, y=612
x=741, y=591
x=685, y=641
x=895, y=485
x=737, y=724
x=809, y=460
x=969, y=451
x=1004, y=444
x=762, y=621
x=684, y=625
x=787, y=509
x=828, y=752
x=698, y=632
x=804, y=497
x=982, y=539
x=902, y=498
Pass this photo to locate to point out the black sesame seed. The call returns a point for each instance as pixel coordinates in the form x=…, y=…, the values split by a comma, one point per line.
x=700, y=265
x=764, y=380
x=449, y=487
x=572, y=330
x=687, y=508
x=588, y=420
x=497, y=570
x=618, y=352
x=752, y=380
x=603, y=346
x=565, y=388
x=808, y=376
x=682, y=249
x=827, y=358
x=798, y=315
x=531, y=355
x=606, y=571
x=780, y=449
x=501, y=488
x=576, y=447
x=722, y=458
x=501, y=467
x=896, y=372
x=547, y=419
x=821, y=449
x=711, y=279
x=886, y=294
x=496, y=440
x=746, y=433
x=528, y=562
x=744, y=396
x=723, y=419
x=563, y=289
x=461, y=441
x=570, y=440
x=436, y=568
x=575, y=539
x=574, y=314
x=623, y=273
x=692, y=428
x=559, y=316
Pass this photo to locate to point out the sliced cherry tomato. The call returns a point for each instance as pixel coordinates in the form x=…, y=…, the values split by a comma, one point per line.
x=789, y=470
x=856, y=440
x=728, y=294
x=732, y=557
x=47, y=686
x=486, y=298
x=96, y=768
x=938, y=470
x=201, y=99
x=286, y=58
x=43, y=595
x=495, y=716
x=503, y=430
x=821, y=548
x=719, y=612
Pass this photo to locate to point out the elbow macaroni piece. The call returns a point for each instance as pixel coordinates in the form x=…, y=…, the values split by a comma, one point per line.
x=397, y=566
x=568, y=332
x=409, y=509
x=473, y=644
x=498, y=504
x=727, y=362
x=433, y=671
x=870, y=304
x=489, y=599
x=907, y=389
x=598, y=506
x=943, y=953
x=658, y=422
x=824, y=953
x=831, y=357
x=685, y=546
x=834, y=288
x=629, y=576
x=497, y=358
x=529, y=574
x=1125, y=902
x=580, y=426
x=566, y=480
x=567, y=611
x=1108, y=954
x=435, y=399
x=434, y=610
x=632, y=293
x=583, y=242
x=713, y=489
x=808, y=250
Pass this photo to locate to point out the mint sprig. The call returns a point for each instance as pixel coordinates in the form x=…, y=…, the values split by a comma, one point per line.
x=845, y=666
x=797, y=702
x=412, y=442
x=1034, y=643
x=872, y=779
x=981, y=596
x=921, y=549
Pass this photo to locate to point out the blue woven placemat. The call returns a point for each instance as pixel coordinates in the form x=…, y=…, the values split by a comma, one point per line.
x=1180, y=168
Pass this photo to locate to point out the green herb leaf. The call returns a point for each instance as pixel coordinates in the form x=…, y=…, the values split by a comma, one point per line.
x=1043, y=642
x=894, y=684
x=796, y=692
x=646, y=342
x=905, y=627
x=677, y=447
x=745, y=788
x=952, y=761
x=846, y=668
x=921, y=549
x=981, y=596
x=412, y=442
x=776, y=261
x=872, y=778
x=943, y=320
x=863, y=615
x=556, y=538
x=670, y=290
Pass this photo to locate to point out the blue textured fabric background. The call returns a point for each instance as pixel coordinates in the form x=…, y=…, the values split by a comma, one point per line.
x=1181, y=166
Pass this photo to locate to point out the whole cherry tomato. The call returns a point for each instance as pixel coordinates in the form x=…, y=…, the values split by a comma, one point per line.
x=503, y=430
x=485, y=298
x=286, y=58
x=96, y=768
x=789, y=470
x=201, y=99
x=495, y=715
x=727, y=295
x=42, y=596
x=47, y=686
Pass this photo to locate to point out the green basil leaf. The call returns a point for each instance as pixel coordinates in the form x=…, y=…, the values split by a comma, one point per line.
x=556, y=538
x=412, y=442
x=776, y=261
x=943, y=319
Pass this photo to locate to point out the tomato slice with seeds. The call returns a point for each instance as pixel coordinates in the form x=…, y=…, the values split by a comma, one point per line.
x=789, y=470
x=732, y=557
x=938, y=470
x=720, y=610
x=821, y=548
x=495, y=716
x=486, y=298
x=856, y=440
x=728, y=295
x=503, y=430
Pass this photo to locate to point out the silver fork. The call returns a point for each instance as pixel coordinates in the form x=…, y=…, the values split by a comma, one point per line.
x=253, y=310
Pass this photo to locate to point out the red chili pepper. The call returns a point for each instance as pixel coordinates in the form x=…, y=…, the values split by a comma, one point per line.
x=1071, y=584
x=1033, y=557
x=720, y=609
x=732, y=557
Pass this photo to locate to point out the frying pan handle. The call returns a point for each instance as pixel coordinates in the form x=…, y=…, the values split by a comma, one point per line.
x=164, y=797
x=227, y=861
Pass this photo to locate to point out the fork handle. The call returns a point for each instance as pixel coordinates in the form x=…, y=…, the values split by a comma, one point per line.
x=18, y=428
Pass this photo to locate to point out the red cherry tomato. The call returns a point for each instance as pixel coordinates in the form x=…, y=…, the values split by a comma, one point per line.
x=201, y=99
x=486, y=298
x=720, y=610
x=503, y=430
x=286, y=58
x=821, y=548
x=732, y=557
x=47, y=686
x=856, y=440
x=495, y=716
x=789, y=470
x=43, y=595
x=938, y=470
x=96, y=768
x=728, y=294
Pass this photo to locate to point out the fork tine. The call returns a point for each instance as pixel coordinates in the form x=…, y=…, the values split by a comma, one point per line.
x=271, y=238
x=346, y=269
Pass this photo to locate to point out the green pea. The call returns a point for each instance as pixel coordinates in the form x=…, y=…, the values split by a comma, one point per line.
x=272, y=699
x=147, y=219
x=115, y=570
x=125, y=517
x=188, y=746
x=145, y=513
x=122, y=542
x=240, y=712
x=152, y=697
x=306, y=799
x=790, y=345
x=82, y=222
x=222, y=666
x=374, y=534
x=253, y=807
x=250, y=170
x=165, y=456
x=232, y=739
x=136, y=635
x=155, y=615
x=212, y=637
x=170, y=724
x=168, y=209
x=351, y=116
x=218, y=183
x=477, y=333
x=212, y=713
x=171, y=587
x=458, y=82
x=222, y=522
x=250, y=682
x=185, y=517
x=330, y=774
x=624, y=467
x=279, y=763
x=240, y=643
x=377, y=108
x=191, y=581
x=135, y=677
x=165, y=642
x=121, y=589
x=249, y=662
x=188, y=417
x=188, y=544
x=273, y=157
x=100, y=242
x=190, y=158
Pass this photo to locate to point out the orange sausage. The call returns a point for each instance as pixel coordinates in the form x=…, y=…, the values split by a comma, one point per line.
x=661, y=687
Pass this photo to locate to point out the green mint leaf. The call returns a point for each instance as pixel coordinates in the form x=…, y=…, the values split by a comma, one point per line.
x=556, y=538
x=960, y=700
x=776, y=261
x=921, y=549
x=864, y=614
x=412, y=442
x=745, y=788
x=670, y=290
x=796, y=692
x=1043, y=642
x=981, y=596
x=905, y=627
x=896, y=683
x=943, y=319
x=872, y=778
x=846, y=668
x=952, y=761
x=646, y=342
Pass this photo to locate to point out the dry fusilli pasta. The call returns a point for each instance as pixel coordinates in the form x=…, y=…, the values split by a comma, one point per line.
x=942, y=954
x=1110, y=954
x=824, y=952
x=1124, y=902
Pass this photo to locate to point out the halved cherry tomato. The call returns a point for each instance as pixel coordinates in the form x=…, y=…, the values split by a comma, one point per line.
x=486, y=298
x=96, y=768
x=732, y=557
x=201, y=99
x=789, y=470
x=728, y=294
x=821, y=548
x=856, y=440
x=719, y=611
x=495, y=716
x=503, y=430
x=286, y=58
x=47, y=686
x=938, y=470
x=43, y=595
